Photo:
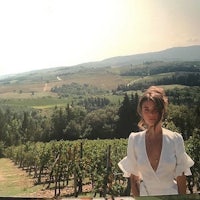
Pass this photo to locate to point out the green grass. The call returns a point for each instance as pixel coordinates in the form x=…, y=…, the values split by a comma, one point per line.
x=13, y=181
x=36, y=102
x=48, y=102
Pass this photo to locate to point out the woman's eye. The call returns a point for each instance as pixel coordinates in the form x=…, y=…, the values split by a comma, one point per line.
x=150, y=111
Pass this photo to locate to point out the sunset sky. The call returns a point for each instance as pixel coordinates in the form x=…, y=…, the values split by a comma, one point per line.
x=37, y=34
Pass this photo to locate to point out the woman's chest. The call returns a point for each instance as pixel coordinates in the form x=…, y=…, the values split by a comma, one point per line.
x=158, y=157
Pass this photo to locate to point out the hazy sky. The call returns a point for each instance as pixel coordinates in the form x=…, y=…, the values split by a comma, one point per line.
x=36, y=34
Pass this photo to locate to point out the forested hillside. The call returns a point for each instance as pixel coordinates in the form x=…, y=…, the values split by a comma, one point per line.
x=76, y=105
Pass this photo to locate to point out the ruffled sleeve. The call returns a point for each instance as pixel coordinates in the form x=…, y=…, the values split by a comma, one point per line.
x=128, y=164
x=184, y=162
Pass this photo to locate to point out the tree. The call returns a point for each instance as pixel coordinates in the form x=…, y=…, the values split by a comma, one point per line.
x=193, y=149
x=100, y=124
x=125, y=124
x=58, y=120
x=72, y=130
x=74, y=121
x=12, y=132
x=135, y=116
x=182, y=118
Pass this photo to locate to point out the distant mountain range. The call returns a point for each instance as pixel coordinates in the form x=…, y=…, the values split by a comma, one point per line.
x=189, y=53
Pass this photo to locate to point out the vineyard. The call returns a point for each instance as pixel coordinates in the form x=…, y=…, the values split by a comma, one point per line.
x=62, y=165
x=92, y=164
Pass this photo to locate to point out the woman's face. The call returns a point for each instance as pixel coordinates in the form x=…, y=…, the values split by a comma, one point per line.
x=150, y=113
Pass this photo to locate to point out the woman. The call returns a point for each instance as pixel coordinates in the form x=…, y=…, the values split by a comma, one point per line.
x=156, y=160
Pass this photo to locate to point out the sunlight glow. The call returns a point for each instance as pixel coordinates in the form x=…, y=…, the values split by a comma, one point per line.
x=39, y=34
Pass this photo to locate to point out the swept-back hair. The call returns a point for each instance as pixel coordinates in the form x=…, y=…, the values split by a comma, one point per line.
x=157, y=95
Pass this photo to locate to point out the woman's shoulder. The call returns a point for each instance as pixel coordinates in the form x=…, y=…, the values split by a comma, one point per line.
x=137, y=135
x=171, y=134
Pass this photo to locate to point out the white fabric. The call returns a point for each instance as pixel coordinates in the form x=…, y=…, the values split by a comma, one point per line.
x=173, y=162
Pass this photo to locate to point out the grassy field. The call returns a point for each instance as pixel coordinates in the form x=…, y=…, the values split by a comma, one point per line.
x=42, y=84
x=33, y=89
x=14, y=182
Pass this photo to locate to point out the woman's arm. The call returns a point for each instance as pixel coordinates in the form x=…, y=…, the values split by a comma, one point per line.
x=135, y=187
x=181, y=183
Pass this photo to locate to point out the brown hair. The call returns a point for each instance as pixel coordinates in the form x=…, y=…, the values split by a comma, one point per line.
x=157, y=95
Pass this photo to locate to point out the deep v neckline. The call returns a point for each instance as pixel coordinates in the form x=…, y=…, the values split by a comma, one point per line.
x=160, y=156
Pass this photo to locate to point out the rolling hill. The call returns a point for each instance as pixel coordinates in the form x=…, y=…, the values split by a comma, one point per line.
x=106, y=74
x=190, y=53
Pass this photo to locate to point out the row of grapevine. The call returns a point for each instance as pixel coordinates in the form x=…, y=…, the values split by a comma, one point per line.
x=62, y=164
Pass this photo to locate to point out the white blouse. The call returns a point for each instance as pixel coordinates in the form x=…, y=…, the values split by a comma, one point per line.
x=173, y=162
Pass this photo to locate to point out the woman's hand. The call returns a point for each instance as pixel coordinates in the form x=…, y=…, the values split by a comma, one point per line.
x=181, y=183
x=135, y=185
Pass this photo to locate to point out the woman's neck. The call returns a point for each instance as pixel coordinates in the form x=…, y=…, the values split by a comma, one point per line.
x=155, y=130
